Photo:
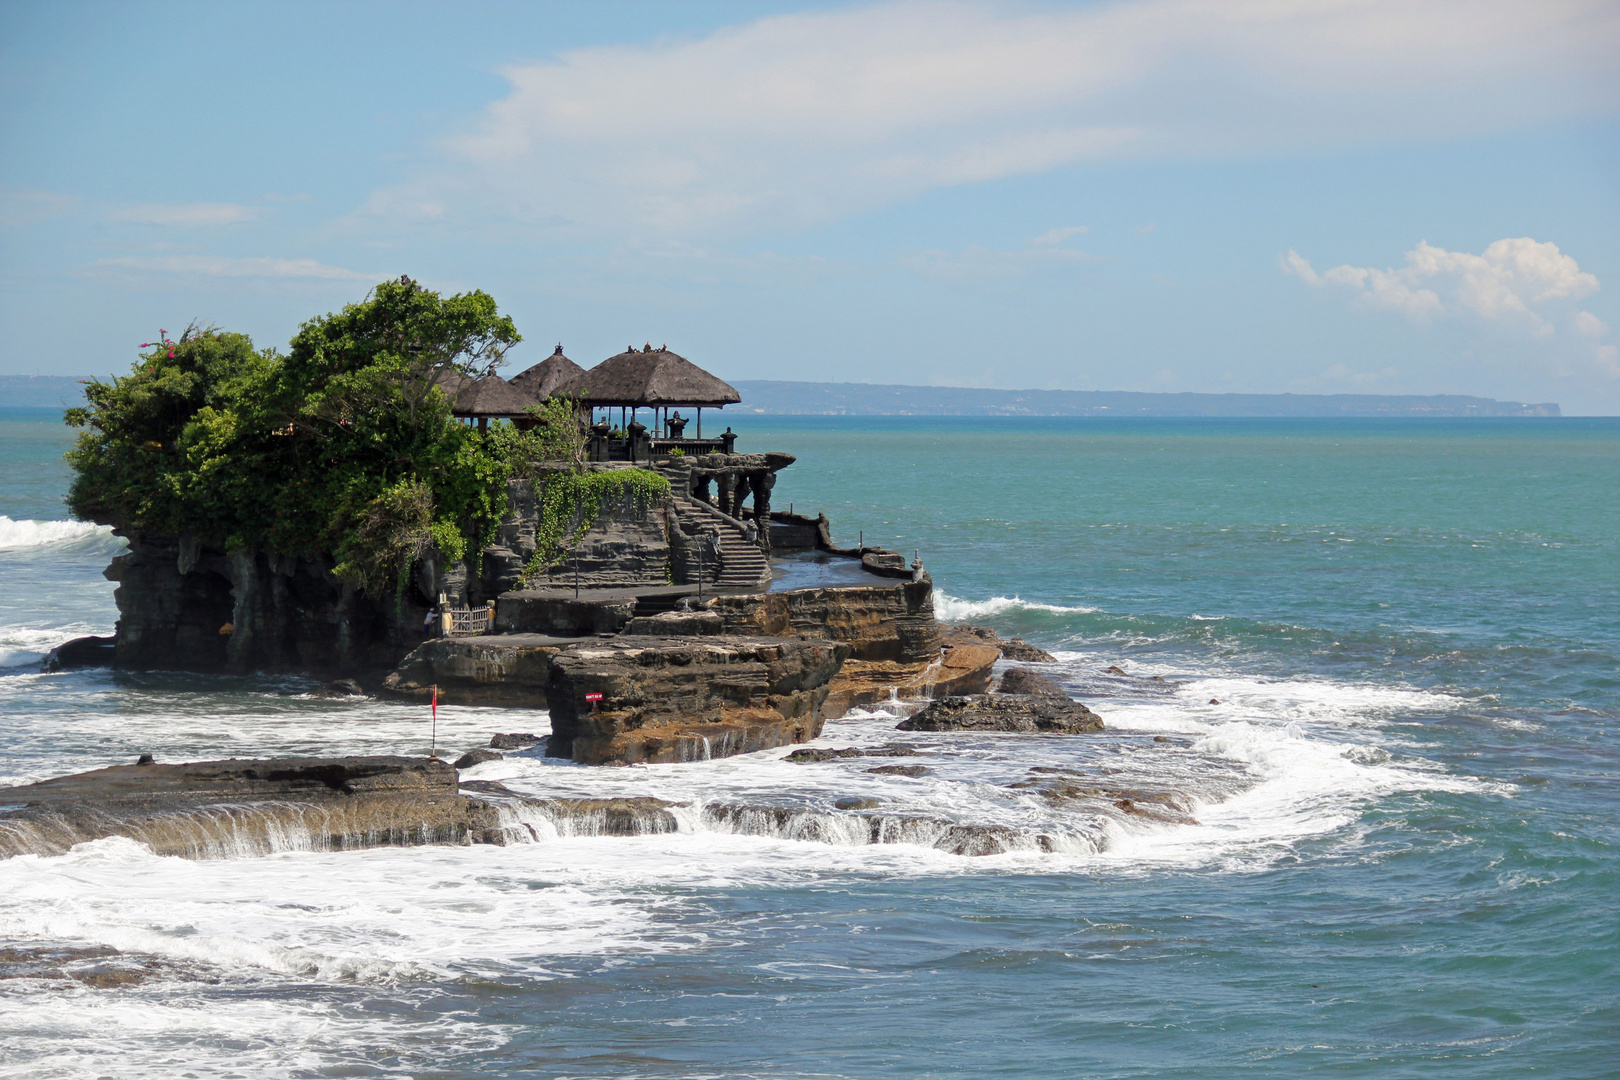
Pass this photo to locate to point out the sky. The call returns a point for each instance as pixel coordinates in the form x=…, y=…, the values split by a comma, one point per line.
x=1257, y=196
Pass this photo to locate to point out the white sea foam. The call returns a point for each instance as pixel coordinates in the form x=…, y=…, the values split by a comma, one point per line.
x=27, y=533
x=953, y=609
x=21, y=646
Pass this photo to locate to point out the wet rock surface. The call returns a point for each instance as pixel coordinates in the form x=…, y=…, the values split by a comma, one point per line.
x=477, y=757
x=958, y=669
x=514, y=740
x=1073, y=789
x=820, y=753
x=1015, y=649
x=1020, y=713
x=1029, y=681
x=98, y=967
x=212, y=809
x=913, y=771
x=80, y=653
x=684, y=699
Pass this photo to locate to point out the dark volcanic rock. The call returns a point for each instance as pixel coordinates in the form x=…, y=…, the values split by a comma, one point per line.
x=560, y=614
x=499, y=669
x=902, y=770
x=210, y=809
x=1069, y=788
x=1029, y=681
x=686, y=699
x=339, y=688
x=81, y=652
x=1022, y=651
x=185, y=605
x=858, y=804
x=1021, y=713
x=820, y=753
x=477, y=757
x=515, y=740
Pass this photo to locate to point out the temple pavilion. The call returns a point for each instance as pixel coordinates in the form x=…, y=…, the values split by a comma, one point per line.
x=636, y=379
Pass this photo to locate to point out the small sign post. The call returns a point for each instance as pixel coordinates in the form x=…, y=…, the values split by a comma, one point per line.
x=595, y=698
x=433, y=746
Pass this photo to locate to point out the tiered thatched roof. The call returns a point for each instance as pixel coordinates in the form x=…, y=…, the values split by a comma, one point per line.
x=649, y=377
x=486, y=398
x=542, y=380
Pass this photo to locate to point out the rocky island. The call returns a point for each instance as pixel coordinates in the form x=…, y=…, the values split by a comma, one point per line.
x=378, y=506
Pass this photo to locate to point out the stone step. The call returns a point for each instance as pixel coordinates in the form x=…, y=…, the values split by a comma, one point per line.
x=742, y=563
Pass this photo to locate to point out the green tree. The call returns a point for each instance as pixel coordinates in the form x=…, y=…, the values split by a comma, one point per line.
x=344, y=445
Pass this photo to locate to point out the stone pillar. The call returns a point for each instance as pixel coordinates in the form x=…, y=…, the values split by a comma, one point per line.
x=744, y=487
x=700, y=490
x=763, y=482
x=726, y=483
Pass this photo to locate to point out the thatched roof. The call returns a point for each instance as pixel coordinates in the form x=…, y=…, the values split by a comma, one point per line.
x=650, y=377
x=542, y=380
x=491, y=396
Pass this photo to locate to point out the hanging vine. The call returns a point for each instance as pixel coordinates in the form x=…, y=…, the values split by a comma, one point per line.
x=571, y=502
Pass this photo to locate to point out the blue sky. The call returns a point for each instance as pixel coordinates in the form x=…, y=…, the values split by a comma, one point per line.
x=1256, y=196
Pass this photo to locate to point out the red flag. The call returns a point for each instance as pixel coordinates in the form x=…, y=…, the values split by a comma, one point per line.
x=435, y=703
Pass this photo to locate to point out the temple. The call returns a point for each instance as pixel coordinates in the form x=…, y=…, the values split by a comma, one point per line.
x=643, y=587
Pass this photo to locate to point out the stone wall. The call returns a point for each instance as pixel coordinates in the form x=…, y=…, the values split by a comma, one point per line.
x=625, y=546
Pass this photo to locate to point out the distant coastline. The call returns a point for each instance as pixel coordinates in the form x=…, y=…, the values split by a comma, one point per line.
x=784, y=398
x=773, y=397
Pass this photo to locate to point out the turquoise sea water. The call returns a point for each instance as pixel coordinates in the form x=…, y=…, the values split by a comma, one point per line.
x=1390, y=654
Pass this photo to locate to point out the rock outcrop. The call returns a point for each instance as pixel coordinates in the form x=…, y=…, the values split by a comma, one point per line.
x=500, y=669
x=958, y=669
x=1031, y=714
x=1016, y=649
x=213, y=809
x=1029, y=681
x=892, y=623
x=559, y=613
x=185, y=605
x=80, y=653
x=685, y=699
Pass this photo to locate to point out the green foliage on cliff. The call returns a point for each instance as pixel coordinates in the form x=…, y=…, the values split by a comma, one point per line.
x=570, y=503
x=343, y=444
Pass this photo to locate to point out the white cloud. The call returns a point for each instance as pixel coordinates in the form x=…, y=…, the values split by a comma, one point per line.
x=1507, y=282
x=1589, y=324
x=24, y=207
x=798, y=119
x=186, y=215
x=215, y=266
x=1053, y=237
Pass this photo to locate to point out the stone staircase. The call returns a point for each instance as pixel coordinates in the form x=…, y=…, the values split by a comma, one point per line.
x=742, y=564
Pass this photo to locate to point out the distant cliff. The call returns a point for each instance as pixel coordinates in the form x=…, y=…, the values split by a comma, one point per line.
x=872, y=399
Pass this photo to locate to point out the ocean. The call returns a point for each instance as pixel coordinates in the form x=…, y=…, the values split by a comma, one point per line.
x=1378, y=661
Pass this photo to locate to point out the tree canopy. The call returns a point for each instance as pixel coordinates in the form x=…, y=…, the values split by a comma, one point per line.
x=343, y=444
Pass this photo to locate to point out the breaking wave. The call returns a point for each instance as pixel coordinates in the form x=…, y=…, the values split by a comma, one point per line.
x=27, y=533
x=948, y=608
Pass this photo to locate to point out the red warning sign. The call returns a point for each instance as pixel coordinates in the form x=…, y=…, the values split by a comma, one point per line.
x=593, y=697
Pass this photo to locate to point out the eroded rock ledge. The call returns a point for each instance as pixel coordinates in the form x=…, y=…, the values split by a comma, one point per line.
x=686, y=699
